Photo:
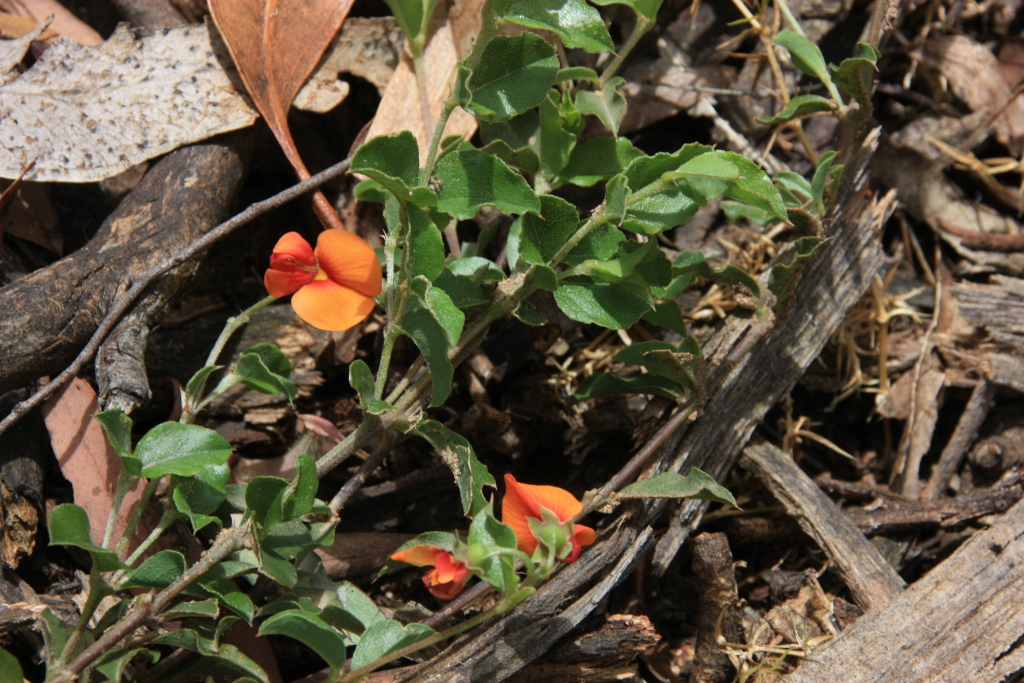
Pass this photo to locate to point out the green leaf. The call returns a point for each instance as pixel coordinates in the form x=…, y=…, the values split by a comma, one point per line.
x=693, y=264
x=857, y=75
x=254, y=371
x=512, y=76
x=311, y=631
x=472, y=179
x=668, y=315
x=158, y=571
x=264, y=497
x=385, y=637
x=118, y=428
x=696, y=484
x=199, y=497
x=647, y=9
x=444, y=310
x=574, y=21
x=361, y=379
x=10, y=668
x=601, y=244
x=782, y=279
x=420, y=325
x=300, y=499
x=192, y=609
x=69, y=525
x=412, y=17
x=684, y=368
x=734, y=211
x=425, y=252
x=799, y=107
x=470, y=474
x=577, y=73
x=753, y=186
x=615, y=305
x=597, y=160
x=488, y=532
x=516, y=133
x=391, y=160
x=540, y=237
x=608, y=104
x=524, y=159
x=805, y=54
x=461, y=289
x=554, y=143
x=820, y=176
x=476, y=267
x=195, y=386
x=649, y=213
x=112, y=663
x=602, y=384
x=185, y=450
x=633, y=354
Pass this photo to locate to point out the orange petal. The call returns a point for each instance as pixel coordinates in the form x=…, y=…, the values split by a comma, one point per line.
x=584, y=534
x=418, y=555
x=294, y=245
x=516, y=506
x=280, y=284
x=326, y=305
x=349, y=260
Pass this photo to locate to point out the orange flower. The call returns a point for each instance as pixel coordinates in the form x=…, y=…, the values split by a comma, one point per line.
x=333, y=286
x=523, y=502
x=448, y=576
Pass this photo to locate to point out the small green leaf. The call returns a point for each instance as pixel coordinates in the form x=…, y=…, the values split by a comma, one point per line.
x=10, y=668
x=524, y=159
x=425, y=253
x=820, y=176
x=601, y=244
x=574, y=21
x=806, y=55
x=192, y=609
x=254, y=372
x=516, y=133
x=753, y=186
x=385, y=637
x=597, y=160
x=782, y=280
x=512, y=76
x=158, y=571
x=300, y=499
x=668, y=315
x=693, y=264
x=199, y=497
x=311, y=631
x=607, y=104
x=615, y=305
x=602, y=384
x=444, y=310
x=471, y=179
x=194, y=389
x=420, y=325
x=633, y=354
x=264, y=497
x=118, y=428
x=541, y=237
x=577, y=73
x=646, y=9
x=857, y=75
x=391, y=160
x=69, y=525
x=412, y=17
x=554, y=143
x=696, y=484
x=112, y=663
x=185, y=450
x=488, y=532
x=463, y=292
x=734, y=211
x=799, y=107
x=470, y=474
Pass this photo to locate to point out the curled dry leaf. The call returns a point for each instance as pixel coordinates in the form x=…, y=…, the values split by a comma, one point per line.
x=65, y=22
x=276, y=44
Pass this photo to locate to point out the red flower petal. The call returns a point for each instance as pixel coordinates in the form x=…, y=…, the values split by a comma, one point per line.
x=445, y=591
x=418, y=555
x=280, y=283
x=326, y=305
x=292, y=246
x=350, y=261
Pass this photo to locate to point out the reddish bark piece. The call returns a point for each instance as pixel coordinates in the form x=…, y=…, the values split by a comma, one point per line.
x=88, y=461
x=275, y=45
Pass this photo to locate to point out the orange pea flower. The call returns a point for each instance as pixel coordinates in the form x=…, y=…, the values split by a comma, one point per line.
x=333, y=286
x=523, y=502
x=448, y=576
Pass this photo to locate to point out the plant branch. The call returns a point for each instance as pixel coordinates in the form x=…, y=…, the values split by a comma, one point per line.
x=642, y=26
x=147, y=277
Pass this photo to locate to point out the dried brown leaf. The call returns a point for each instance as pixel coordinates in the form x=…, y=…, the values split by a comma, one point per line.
x=64, y=23
x=276, y=44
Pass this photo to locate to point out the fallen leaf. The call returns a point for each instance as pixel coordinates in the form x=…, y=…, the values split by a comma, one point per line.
x=64, y=23
x=89, y=463
x=400, y=107
x=13, y=26
x=276, y=44
x=31, y=215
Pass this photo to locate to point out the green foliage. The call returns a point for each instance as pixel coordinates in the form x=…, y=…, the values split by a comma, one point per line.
x=471, y=179
x=782, y=278
x=512, y=77
x=69, y=525
x=310, y=630
x=470, y=474
x=360, y=377
x=185, y=450
x=10, y=669
x=696, y=484
x=607, y=104
x=799, y=107
x=575, y=22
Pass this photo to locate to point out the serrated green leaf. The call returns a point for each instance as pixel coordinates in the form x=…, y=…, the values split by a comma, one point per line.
x=470, y=474
x=607, y=104
x=805, y=54
x=597, y=160
x=185, y=450
x=311, y=631
x=472, y=179
x=512, y=76
x=602, y=384
x=541, y=237
x=553, y=143
x=696, y=484
x=575, y=22
x=782, y=280
x=420, y=325
x=615, y=305
x=385, y=637
x=118, y=428
x=69, y=525
x=798, y=107
x=158, y=571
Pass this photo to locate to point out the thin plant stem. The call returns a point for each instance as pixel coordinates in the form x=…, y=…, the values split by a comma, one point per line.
x=133, y=521
x=147, y=277
x=422, y=86
x=233, y=324
x=410, y=375
x=96, y=593
x=642, y=27
x=125, y=481
x=360, y=477
x=169, y=517
x=391, y=335
x=369, y=429
x=435, y=142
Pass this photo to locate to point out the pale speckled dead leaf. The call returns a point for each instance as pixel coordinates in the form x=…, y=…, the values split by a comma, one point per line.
x=84, y=114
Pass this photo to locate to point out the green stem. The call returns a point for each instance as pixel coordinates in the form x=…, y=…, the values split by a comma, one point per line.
x=394, y=331
x=169, y=517
x=642, y=26
x=125, y=481
x=96, y=593
x=435, y=142
x=368, y=430
x=133, y=521
x=422, y=86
